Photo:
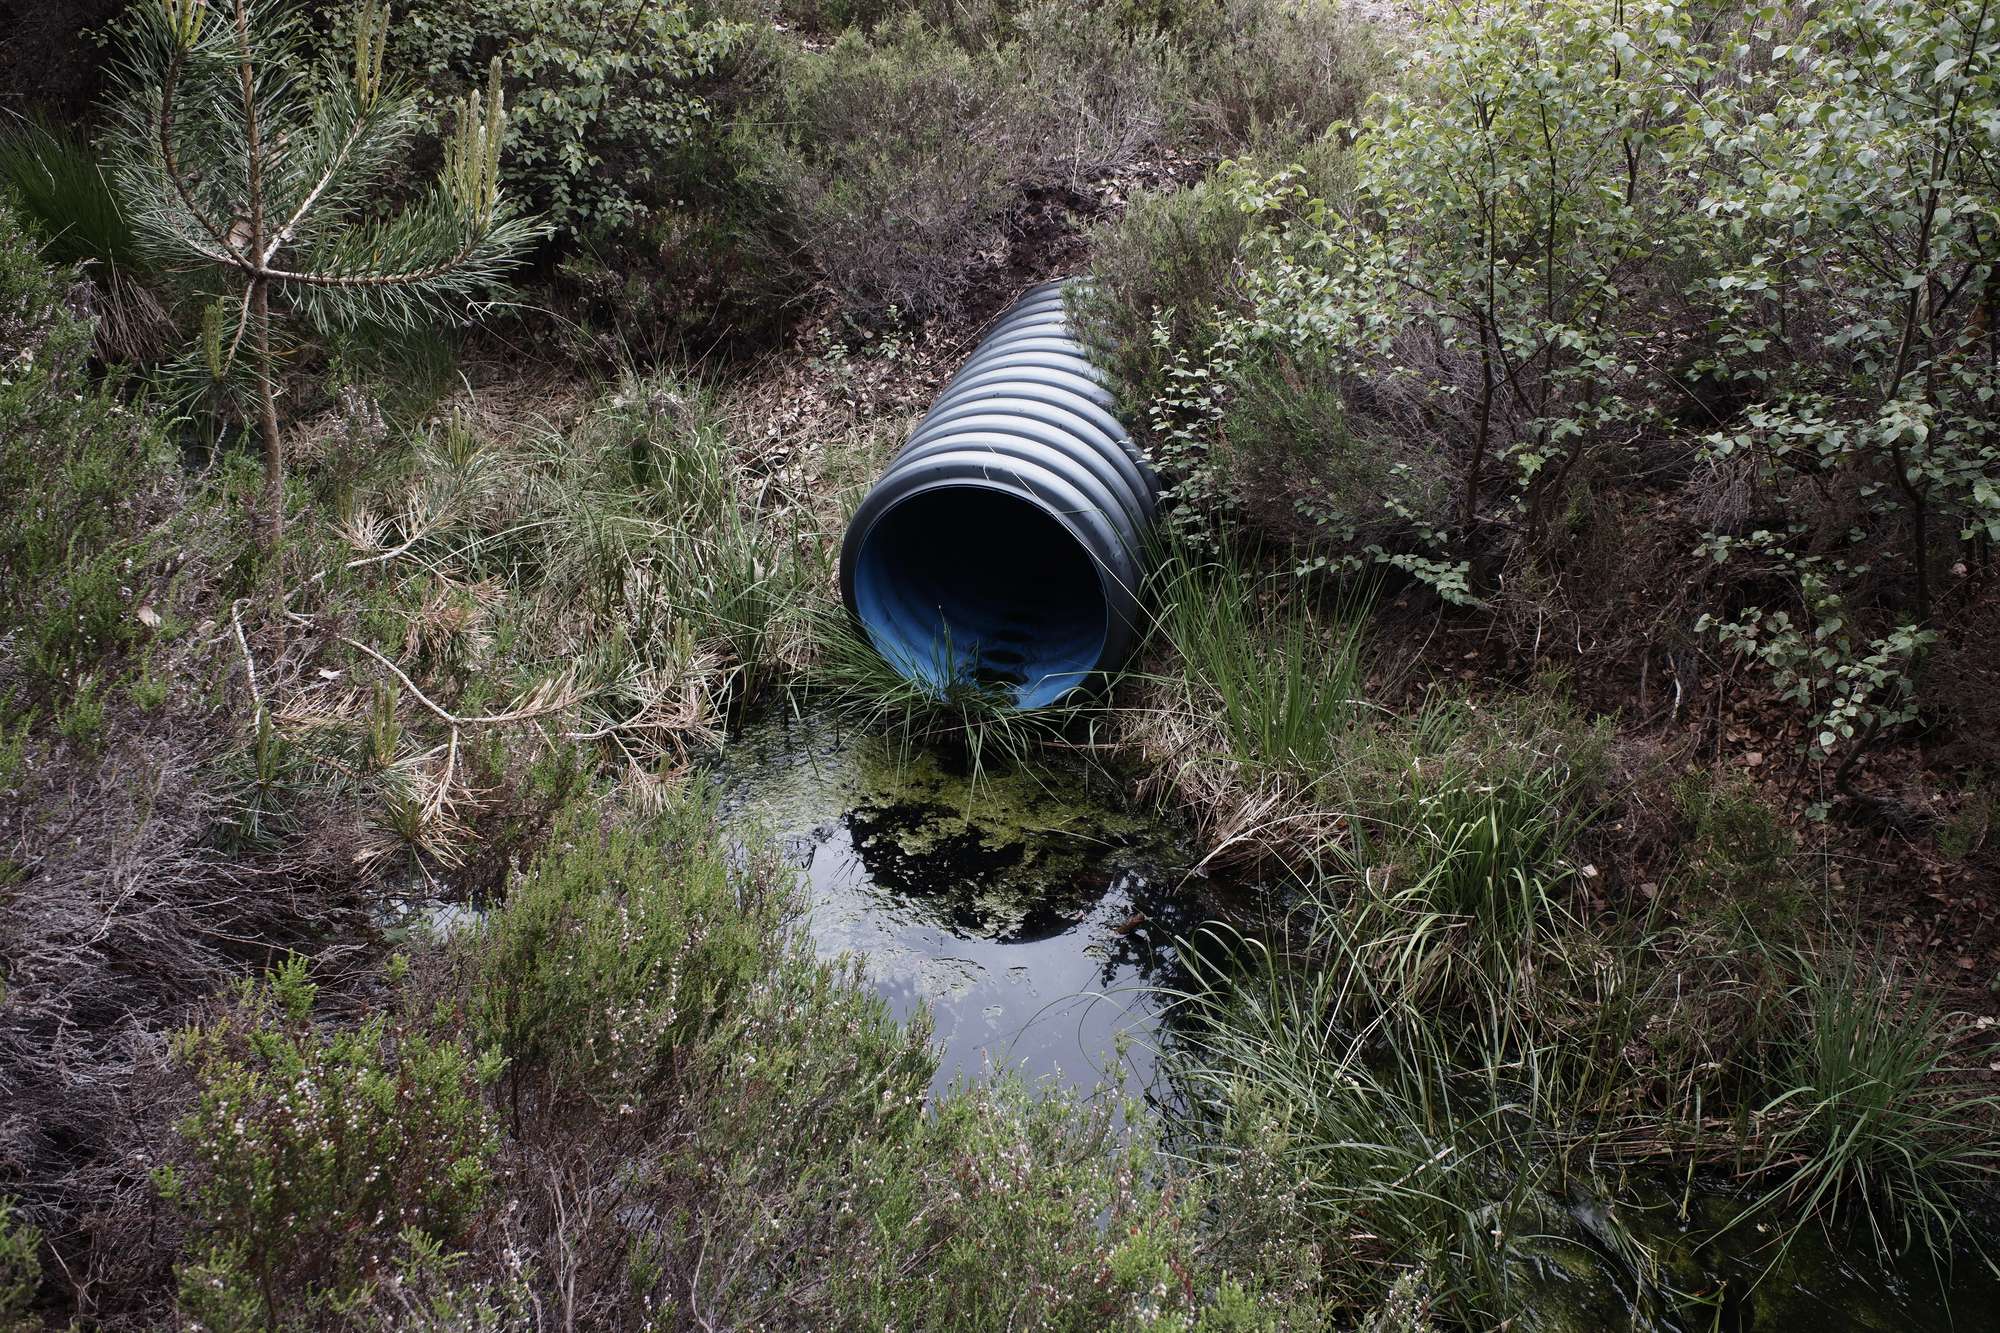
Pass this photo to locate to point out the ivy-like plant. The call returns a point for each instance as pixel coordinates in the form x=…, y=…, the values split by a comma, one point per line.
x=236, y=159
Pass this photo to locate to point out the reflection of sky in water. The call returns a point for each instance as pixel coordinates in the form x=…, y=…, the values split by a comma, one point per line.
x=1052, y=1006
x=1032, y=923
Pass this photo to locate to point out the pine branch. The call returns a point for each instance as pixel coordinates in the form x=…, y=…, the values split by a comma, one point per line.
x=172, y=167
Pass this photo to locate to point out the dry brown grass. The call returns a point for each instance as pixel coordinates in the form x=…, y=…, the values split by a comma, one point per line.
x=130, y=911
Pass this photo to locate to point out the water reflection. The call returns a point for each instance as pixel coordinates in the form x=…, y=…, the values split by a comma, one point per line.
x=1032, y=912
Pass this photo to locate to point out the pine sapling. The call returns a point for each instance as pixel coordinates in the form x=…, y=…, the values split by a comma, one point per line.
x=234, y=157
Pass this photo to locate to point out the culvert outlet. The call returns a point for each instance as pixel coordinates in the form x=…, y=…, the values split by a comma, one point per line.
x=1003, y=544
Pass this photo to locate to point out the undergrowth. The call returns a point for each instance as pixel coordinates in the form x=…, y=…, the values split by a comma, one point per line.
x=516, y=617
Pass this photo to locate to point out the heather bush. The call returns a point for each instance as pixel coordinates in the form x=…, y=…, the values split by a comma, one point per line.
x=1264, y=73
x=616, y=954
x=314, y=1157
x=902, y=156
x=907, y=147
x=760, y=1143
x=83, y=479
x=816, y=1183
x=20, y=1269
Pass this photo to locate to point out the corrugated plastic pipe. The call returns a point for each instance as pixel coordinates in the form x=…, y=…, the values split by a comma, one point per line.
x=1004, y=543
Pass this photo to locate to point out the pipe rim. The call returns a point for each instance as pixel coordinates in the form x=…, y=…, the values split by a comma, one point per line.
x=1117, y=630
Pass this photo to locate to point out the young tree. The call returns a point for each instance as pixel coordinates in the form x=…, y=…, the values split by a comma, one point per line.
x=234, y=155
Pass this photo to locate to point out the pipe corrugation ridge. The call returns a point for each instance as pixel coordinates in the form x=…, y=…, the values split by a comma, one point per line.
x=1004, y=543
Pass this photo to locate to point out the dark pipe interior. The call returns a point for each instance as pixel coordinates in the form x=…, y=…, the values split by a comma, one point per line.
x=968, y=583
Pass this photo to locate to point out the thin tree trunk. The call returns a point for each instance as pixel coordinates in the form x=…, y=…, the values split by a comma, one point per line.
x=1482, y=438
x=1920, y=543
x=273, y=518
x=271, y=523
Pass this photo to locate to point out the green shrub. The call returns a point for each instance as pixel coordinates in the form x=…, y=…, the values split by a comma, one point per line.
x=604, y=94
x=20, y=1270
x=1530, y=206
x=1255, y=431
x=314, y=1157
x=1860, y=279
x=616, y=954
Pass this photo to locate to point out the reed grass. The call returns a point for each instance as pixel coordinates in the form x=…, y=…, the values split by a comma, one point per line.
x=1442, y=1051
x=1282, y=680
x=1872, y=1118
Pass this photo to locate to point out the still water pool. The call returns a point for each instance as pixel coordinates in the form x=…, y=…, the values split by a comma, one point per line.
x=1033, y=913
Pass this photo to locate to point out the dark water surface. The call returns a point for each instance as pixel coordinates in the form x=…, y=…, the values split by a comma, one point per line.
x=1032, y=912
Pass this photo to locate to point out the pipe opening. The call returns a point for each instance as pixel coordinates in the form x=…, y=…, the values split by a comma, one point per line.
x=967, y=583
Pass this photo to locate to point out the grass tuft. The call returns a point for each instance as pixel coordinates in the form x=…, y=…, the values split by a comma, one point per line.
x=1873, y=1120
x=1283, y=680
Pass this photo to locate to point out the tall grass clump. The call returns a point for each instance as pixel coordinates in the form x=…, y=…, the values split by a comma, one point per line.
x=1283, y=680
x=1386, y=1042
x=1409, y=1139
x=1873, y=1121
x=54, y=179
x=1455, y=886
x=618, y=569
x=715, y=549
x=1443, y=1047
